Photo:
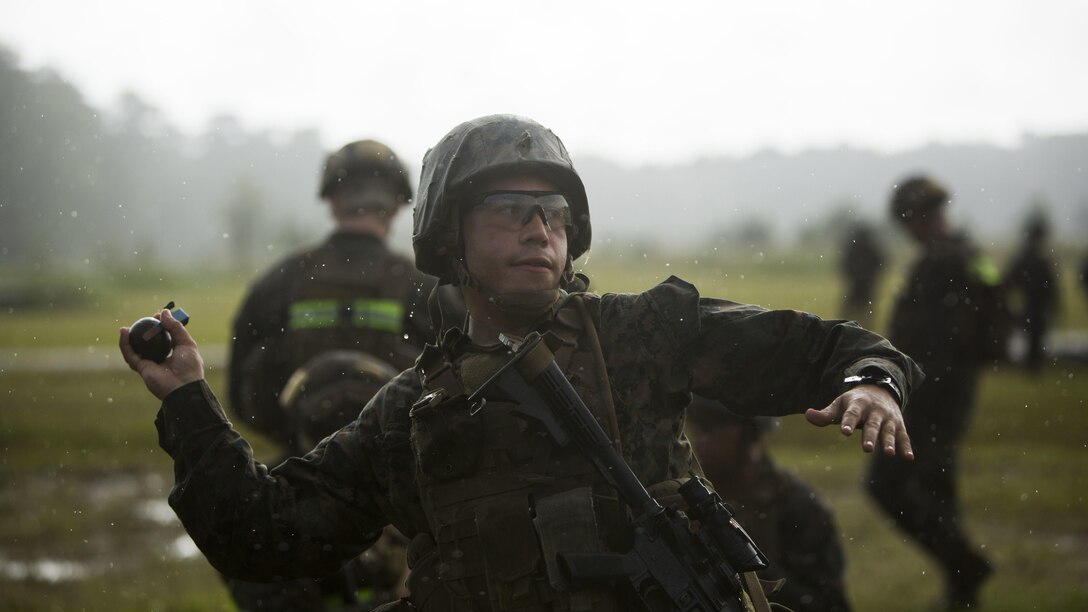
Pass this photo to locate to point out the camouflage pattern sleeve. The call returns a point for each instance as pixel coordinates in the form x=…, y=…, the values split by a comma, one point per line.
x=754, y=360
x=305, y=517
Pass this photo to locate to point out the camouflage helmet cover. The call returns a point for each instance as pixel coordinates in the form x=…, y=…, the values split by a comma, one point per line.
x=917, y=196
x=364, y=158
x=473, y=153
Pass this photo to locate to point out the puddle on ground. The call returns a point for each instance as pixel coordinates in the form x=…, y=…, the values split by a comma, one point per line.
x=183, y=548
x=49, y=570
x=136, y=500
x=156, y=511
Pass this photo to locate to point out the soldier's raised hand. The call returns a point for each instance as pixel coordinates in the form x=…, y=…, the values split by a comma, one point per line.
x=183, y=366
x=876, y=411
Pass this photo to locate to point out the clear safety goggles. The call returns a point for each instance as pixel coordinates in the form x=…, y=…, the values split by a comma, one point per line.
x=513, y=210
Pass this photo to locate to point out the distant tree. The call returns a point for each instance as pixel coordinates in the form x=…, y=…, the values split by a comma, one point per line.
x=825, y=233
x=49, y=153
x=290, y=236
x=82, y=185
x=243, y=212
x=144, y=166
x=755, y=233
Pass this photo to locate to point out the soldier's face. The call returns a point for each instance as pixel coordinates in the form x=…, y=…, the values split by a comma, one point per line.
x=721, y=449
x=918, y=227
x=357, y=194
x=508, y=260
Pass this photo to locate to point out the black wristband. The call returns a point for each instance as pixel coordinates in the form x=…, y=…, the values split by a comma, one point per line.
x=885, y=382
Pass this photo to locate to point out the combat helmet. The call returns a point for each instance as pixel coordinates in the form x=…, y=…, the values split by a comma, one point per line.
x=365, y=158
x=329, y=390
x=467, y=157
x=917, y=196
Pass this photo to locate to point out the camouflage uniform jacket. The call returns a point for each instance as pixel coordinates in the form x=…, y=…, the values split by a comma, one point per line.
x=349, y=269
x=310, y=514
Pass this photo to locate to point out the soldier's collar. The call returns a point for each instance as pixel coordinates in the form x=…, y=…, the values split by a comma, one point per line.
x=483, y=337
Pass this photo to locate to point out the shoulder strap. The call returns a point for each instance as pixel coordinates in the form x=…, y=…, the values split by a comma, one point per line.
x=602, y=370
x=754, y=587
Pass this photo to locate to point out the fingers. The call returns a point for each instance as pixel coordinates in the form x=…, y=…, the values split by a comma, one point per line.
x=875, y=412
x=177, y=331
x=852, y=417
x=830, y=414
x=841, y=410
x=871, y=434
x=902, y=443
x=817, y=417
x=892, y=434
x=127, y=352
x=185, y=363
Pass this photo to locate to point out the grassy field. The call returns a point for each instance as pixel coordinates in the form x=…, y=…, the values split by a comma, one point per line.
x=82, y=481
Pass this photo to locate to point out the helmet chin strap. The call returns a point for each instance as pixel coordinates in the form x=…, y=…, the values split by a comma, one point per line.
x=533, y=303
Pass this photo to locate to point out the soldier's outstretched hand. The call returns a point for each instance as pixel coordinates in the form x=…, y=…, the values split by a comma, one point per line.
x=183, y=366
x=874, y=410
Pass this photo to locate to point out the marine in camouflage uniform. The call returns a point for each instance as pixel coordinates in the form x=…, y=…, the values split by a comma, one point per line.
x=1082, y=275
x=349, y=293
x=936, y=321
x=793, y=527
x=487, y=499
x=1033, y=275
x=861, y=264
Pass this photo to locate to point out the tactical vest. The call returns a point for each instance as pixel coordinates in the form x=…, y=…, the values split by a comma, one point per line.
x=337, y=304
x=501, y=498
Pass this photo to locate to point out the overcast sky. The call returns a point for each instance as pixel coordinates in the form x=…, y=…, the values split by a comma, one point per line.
x=637, y=82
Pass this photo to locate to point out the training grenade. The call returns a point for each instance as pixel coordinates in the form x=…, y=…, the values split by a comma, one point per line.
x=150, y=339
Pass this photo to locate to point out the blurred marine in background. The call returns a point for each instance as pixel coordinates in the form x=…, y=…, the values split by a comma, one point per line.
x=947, y=318
x=317, y=336
x=349, y=292
x=861, y=264
x=791, y=524
x=1033, y=276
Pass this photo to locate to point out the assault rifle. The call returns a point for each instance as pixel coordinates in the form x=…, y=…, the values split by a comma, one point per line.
x=672, y=564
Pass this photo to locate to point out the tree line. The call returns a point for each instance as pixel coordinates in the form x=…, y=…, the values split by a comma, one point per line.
x=81, y=185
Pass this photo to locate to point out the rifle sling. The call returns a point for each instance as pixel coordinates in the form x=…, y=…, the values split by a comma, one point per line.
x=751, y=582
x=755, y=592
